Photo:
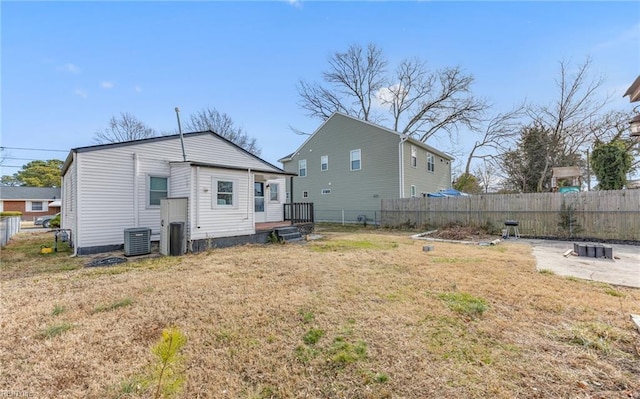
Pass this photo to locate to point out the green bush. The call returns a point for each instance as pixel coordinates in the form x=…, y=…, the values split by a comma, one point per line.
x=10, y=213
x=55, y=222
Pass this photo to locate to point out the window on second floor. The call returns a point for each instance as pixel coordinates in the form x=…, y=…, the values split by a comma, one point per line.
x=431, y=165
x=356, y=161
x=414, y=156
x=302, y=167
x=324, y=163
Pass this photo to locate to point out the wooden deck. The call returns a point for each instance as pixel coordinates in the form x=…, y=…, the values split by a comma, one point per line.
x=271, y=225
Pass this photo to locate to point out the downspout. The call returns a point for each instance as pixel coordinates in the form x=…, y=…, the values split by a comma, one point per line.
x=249, y=196
x=136, y=204
x=197, y=197
x=76, y=227
x=403, y=138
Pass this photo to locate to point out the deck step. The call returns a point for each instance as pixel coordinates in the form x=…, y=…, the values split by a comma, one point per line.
x=289, y=234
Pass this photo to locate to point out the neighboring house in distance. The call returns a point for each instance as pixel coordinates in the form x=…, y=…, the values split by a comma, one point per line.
x=33, y=202
x=112, y=187
x=350, y=165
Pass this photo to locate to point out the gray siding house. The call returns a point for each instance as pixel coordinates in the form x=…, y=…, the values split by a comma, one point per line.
x=347, y=166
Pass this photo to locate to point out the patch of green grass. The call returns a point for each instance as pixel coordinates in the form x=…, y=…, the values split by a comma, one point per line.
x=132, y=386
x=307, y=316
x=464, y=303
x=55, y=330
x=306, y=354
x=373, y=377
x=349, y=245
x=547, y=272
x=453, y=259
x=57, y=310
x=613, y=292
x=343, y=352
x=312, y=336
x=595, y=336
x=114, y=305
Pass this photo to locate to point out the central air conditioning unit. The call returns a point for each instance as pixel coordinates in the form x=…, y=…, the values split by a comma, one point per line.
x=137, y=241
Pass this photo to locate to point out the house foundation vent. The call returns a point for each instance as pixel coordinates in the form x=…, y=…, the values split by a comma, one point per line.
x=137, y=241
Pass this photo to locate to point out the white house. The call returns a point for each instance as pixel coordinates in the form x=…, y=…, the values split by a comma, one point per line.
x=221, y=191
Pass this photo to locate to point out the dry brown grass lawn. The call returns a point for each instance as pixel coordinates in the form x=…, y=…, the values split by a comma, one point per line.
x=355, y=315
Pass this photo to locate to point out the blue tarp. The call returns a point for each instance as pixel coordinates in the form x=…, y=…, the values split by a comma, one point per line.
x=450, y=192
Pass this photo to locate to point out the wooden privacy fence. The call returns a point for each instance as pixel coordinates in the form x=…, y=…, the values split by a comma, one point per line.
x=607, y=215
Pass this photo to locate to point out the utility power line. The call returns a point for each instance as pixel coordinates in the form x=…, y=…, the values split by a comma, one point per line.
x=32, y=149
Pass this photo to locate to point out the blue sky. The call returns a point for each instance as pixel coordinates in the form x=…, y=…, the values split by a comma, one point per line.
x=67, y=67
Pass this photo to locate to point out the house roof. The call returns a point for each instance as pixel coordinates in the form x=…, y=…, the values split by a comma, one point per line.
x=219, y=166
x=634, y=91
x=29, y=193
x=98, y=147
x=384, y=129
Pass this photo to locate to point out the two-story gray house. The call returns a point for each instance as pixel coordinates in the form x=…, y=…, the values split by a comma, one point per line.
x=347, y=166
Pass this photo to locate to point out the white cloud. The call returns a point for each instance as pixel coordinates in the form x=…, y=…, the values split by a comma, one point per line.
x=107, y=85
x=295, y=3
x=70, y=68
x=137, y=89
x=629, y=36
x=385, y=95
x=81, y=93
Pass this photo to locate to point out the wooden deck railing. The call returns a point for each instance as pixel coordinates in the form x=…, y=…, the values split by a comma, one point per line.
x=299, y=212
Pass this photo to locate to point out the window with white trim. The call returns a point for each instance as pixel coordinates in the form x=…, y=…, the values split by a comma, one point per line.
x=413, y=191
x=225, y=190
x=37, y=206
x=288, y=196
x=305, y=194
x=302, y=167
x=325, y=191
x=324, y=163
x=274, y=189
x=414, y=156
x=431, y=165
x=356, y=159
x=158, y=189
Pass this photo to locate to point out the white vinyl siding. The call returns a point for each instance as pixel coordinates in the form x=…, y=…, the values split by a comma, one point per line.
x=324, y=163
x=302, y=167
x=356, y=160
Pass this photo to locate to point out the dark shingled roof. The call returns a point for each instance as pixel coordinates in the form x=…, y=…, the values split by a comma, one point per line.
x=29, y=193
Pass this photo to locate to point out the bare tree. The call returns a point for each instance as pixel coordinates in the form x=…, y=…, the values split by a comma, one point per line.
x=356, y=77
x=487, y=175
x=222, y=124
x=570, y=118
x=125, y=128
x=419, y=102
x=498, y=132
